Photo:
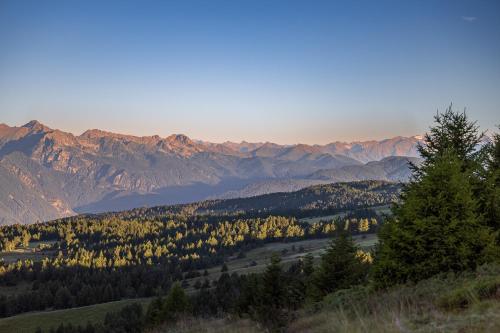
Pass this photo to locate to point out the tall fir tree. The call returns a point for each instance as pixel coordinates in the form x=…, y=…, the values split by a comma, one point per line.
x=439, y=225
x=452, y=132
x=490, y=201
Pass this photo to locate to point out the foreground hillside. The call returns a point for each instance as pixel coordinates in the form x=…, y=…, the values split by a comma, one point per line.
x=467, y=302
x=47, y=173
x=464, y=302
x=451, y=303
x=254, y=261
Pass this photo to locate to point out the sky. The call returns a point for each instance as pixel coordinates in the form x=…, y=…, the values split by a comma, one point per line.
x=280, y=71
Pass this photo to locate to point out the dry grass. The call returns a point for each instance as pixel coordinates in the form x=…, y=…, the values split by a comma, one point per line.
x=29, y=322
x=471, y=304
x=220, y=325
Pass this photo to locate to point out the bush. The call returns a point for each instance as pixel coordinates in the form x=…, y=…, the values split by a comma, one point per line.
x=481, y=289
x=346, y=297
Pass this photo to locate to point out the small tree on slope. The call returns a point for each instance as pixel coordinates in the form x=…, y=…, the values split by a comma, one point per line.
x=340, y=268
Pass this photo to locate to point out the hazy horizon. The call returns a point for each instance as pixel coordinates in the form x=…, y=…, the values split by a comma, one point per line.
x=333, y=140
x=284, y=72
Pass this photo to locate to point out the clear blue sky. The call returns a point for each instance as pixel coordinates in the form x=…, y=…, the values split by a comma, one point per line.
x=283, y=71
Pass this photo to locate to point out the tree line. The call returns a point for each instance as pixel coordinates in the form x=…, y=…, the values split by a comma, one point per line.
x=106, y=259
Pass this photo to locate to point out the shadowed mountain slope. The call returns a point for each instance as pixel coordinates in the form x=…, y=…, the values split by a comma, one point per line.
x=47, y=173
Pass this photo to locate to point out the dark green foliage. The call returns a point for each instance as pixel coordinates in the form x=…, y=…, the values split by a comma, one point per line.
x=490, y=200
x=340, y=268
x=453, y=133
x=104, y=258
x=176, y=303
x=154, y=313
x=271, y=309
x=129, y=319
x=436, y=228
x=63, y=298
x=439, y=225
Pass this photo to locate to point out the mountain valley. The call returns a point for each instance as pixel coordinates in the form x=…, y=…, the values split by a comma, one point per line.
x=48, y=173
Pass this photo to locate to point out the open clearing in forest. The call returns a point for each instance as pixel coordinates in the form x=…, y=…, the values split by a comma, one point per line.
x=31, y=252
x=380, y=210
x=256, y=259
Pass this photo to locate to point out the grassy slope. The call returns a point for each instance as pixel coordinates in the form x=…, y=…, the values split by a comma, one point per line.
x=469, y=302
x=221, y=325
x=28, y=322
x=466, y=303
x=262, y=255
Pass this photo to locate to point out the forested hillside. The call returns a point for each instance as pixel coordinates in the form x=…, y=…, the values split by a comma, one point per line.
x=90, y=259
x=314, y=200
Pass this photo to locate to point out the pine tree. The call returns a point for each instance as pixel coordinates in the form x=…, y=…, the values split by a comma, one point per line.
x=453, y=132
x=62, y=298
x=154, y=313
x=490, y=201
x=439, y=225
x=340, y=268
x=272, y=297
x=176, y=302
x=435, y=229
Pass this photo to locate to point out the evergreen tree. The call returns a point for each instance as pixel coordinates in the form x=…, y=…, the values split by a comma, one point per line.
x=176, y=302
x=340, y=268
x=154, y=313
x=490, y=201
x=272, y=298
x=62, y=298
x=439, y=225
x=453, y=132
x=435, y=229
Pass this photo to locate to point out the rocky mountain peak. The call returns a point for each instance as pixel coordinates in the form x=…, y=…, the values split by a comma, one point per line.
x=52, y=173
x=180, y=138
x=36, y=126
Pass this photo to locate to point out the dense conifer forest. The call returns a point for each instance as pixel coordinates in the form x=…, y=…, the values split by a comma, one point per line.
x=91, y=259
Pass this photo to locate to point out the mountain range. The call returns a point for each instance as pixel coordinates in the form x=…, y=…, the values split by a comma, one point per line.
x=48, y=173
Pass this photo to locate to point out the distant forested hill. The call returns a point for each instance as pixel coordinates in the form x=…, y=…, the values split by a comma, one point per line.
x=313, y=200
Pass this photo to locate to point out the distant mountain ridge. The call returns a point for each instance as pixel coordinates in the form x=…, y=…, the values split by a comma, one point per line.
x=47, y=173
